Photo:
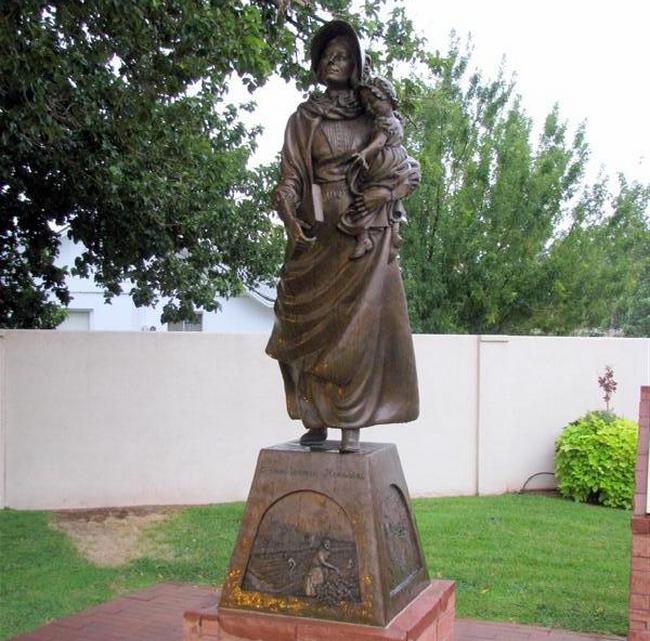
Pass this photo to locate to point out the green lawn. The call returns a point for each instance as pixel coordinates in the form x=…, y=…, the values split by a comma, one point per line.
x=531, y=559
x=528, y=559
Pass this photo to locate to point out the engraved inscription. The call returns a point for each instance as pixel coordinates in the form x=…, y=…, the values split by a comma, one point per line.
x=304, y=547
x=401, y=542
x=311, y=474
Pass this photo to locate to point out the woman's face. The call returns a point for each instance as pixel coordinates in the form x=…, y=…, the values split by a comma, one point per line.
x=336, y=65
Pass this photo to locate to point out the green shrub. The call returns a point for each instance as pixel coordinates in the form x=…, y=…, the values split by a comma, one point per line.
x=595, y=458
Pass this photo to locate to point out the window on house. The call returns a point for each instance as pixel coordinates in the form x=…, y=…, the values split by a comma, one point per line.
x=77, y=320
x=187, y=326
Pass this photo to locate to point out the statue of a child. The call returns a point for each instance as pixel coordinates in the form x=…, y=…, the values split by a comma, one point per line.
x=383, y=162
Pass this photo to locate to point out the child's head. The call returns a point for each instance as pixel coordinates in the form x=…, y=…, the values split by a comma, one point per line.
x=378, y=96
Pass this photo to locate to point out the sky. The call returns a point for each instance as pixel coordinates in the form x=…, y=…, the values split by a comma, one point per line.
x=592, y=57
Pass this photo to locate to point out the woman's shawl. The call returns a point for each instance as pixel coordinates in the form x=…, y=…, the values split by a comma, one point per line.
x=296, y=184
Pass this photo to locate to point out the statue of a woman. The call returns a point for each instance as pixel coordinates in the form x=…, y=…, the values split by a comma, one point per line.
x=341, y=334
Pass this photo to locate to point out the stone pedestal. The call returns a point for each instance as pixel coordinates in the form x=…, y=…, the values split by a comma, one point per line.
x=326, y=536
x=429, y=617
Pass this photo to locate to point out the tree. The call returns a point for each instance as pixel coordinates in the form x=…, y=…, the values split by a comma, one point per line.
x=636, y=321
x=505, y=236
x=596, y=266
x=115, y=130
x=635, y=312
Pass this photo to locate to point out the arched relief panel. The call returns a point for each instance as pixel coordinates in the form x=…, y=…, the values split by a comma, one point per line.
x=401, y=541
x=304, y=547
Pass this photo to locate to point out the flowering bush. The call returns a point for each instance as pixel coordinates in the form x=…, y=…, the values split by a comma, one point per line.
x=595, y=458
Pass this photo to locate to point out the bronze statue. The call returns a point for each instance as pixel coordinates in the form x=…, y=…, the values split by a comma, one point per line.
x=342, y=335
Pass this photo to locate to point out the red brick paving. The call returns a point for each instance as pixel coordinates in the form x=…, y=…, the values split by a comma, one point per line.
x=156, y=614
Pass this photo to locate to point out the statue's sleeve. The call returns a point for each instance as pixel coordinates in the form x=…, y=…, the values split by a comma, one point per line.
x=292, y=170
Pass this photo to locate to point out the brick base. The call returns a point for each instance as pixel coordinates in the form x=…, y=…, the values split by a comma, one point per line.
x=156, y=614
x=639, y=604
x=429, y=617
x=639, y=627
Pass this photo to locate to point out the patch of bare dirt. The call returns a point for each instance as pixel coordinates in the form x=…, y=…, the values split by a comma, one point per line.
x=114, y=536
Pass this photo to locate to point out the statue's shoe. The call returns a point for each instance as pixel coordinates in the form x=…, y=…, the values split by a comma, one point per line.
x=349, y=441
x=314, y=437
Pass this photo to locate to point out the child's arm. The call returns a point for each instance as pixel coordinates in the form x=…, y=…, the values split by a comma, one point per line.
x=377, y=143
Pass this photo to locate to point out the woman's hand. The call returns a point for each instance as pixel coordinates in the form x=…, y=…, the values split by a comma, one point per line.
x=360, y=159
x=292, y=225
x=406, y=187
x=296, y=234
x=370, y=200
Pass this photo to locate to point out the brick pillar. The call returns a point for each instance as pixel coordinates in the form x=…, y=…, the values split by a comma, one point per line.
x=639, y=605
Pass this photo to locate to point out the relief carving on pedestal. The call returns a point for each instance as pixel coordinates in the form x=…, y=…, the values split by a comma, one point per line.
x=401, y=542
x=304, y=547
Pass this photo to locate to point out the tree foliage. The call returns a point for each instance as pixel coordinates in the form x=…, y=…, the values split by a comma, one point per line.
x=115, y=130
x=505, y=235
x=636, y=318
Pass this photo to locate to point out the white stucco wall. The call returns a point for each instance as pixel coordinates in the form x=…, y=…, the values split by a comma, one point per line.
x=91, y=419
x=531, y=387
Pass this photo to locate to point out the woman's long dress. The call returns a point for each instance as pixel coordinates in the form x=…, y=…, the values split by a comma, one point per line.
x=341, y=334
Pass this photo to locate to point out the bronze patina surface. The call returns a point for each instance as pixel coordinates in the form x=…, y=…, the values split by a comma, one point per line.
x=327, y=536
x=342, y=335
